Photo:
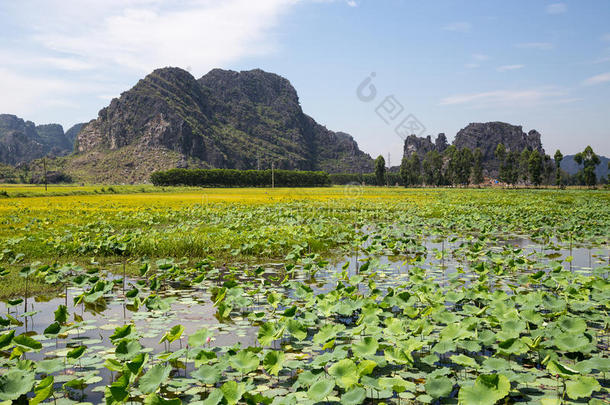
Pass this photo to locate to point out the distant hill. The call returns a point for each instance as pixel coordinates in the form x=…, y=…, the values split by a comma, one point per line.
x=226, y=119
x=486, y=136
x=23, y=141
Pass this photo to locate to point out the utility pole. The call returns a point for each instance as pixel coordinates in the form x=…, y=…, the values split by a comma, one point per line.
x=258, y=161
x=44, y=165
x=272, y=176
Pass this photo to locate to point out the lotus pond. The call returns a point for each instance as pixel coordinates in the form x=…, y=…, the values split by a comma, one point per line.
x=366, y=296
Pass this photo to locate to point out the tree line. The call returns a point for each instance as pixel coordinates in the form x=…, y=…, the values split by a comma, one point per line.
x=464, y=166
x=239, y=178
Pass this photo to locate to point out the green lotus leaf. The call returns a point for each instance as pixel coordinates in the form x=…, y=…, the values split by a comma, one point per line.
x=439, y=387
x=49, y=366
x=122, y=332
x=127, y=349
x=555, y=367
x=464, y=361
x=353, y=396
x=365, y=347
x=572, y=325
x=582, y=387
x=214, y=398
x=327, y=332
x=14, y=383
x=244, y=361
x=43, y=390
x=61, y=314
x=513, y=346
x=320, y=389
x=113, y=365
x=232, y=391
x=154, y=399
x=132, y=293
x=137, y=363
x=487, y=390
x=290, y=312
x=396, y=384
x=571, y=342
x=395, y=355
x=207, y=374
x=6, y=339
x=76, y=352
x=199, y=338
x=154, y=377
x=173, y=334
x=345, y=373
x=296, y=329
x=267, y=333
x=27, y=343
x=274, y=361
x=52, y=330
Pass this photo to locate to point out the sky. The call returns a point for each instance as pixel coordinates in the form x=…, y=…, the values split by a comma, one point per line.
x=376, y=69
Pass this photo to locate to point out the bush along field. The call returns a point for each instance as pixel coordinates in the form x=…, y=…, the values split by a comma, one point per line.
x=305, y=296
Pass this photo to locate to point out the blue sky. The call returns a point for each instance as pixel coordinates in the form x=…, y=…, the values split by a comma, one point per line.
x=544, y=65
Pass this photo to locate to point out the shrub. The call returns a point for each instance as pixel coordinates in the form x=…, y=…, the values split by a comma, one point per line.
x=239, y=178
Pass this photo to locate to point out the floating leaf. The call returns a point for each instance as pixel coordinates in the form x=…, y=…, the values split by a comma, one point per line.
x=582, y=387
x=320, y=389
x=244, y=361
x=439, y=387
x=154, y=377
x=354, y=396
x=14, y=383
x=273, y=362
x=232, y=391
x=345, y=373
x=43, y=390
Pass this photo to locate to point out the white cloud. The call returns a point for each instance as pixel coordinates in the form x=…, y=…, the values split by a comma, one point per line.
x=146, y=34
x=597, y=79
x=543, y=46
x=506, y=68
x=352, y=3
x=480, y=56
x=460, y=26
x=606, y=37
x=30, y=93
x=556, y=8
x=503, y=98
x=66, y=50
x=472, y=65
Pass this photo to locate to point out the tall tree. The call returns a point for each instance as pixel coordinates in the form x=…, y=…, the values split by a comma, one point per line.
x=549, y=168
x=415, y=169
x=464, y=166
x=589, y=160
x=477, y=168
x=535, y=167
x=558, y=158
x=380, y=170
x=432, y=168
x=511, y=168
x=404, y=171
x=451, y=169
x=500, y=154
x=524, y=159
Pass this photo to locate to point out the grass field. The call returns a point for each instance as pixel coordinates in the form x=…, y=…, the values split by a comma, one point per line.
x=351, y=295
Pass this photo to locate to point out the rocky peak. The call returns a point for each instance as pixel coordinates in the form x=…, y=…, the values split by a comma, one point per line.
x=23, y=141
x=422, y=146
x=226, y=119
x=488, y=135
